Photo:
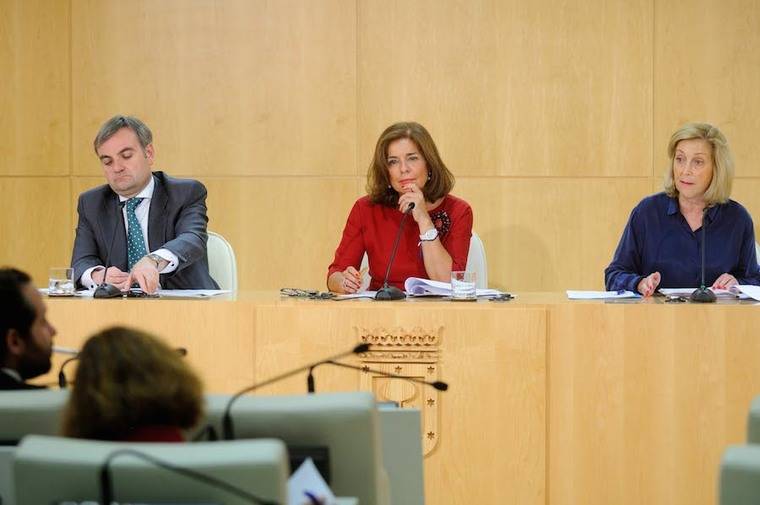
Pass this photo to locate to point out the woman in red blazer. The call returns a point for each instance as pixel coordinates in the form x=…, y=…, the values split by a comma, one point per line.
x=406, y=169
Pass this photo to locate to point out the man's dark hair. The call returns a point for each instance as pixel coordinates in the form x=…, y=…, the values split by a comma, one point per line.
x=16, y=311
x=116, y=123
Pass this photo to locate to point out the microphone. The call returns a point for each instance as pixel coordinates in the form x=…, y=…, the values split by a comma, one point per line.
x=703, y=294
x=227, y=428
x=62, y=382
x=106, y=290
x=106, y=484
x=439, y=385
x=392, y=292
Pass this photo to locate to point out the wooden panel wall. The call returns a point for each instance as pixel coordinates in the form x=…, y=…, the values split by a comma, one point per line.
x=554, y=117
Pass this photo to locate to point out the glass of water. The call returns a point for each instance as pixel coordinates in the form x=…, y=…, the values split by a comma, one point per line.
x=463, y=285
x=61, y=282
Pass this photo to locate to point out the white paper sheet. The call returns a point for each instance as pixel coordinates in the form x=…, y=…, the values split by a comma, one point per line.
x=307, y=479
x=192, y=293
x=600, y=295
x=750, y=291
x=354, y=296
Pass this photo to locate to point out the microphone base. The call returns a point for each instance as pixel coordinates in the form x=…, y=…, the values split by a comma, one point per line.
x=389, y=293
x=703, y=295
x=107, y=291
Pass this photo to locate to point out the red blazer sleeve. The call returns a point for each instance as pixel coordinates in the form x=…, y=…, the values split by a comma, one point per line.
x=351, y=247
x=457, y=241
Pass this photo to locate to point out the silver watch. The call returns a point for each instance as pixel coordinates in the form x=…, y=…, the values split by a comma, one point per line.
x=429, y=235
x=155, y=257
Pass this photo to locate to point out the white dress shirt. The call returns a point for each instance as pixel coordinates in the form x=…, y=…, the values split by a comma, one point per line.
x=142, y=212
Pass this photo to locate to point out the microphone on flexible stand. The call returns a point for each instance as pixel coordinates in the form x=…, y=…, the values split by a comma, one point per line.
x=106, y=483
x=439, y=385
x=105, y=290
x=703, y=294
x=227, y=427
x=62, y=382
x=392, y=292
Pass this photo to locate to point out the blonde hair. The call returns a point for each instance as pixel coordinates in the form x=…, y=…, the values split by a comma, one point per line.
x=128, y=379
x=719, y=189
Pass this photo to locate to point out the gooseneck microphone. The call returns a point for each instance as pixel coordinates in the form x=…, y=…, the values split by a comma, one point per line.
x=106, y=484
x=105, y=290
x=439, y=385
x=62, y=382
x=703, y=294
x=392, y=292
x=227, y=428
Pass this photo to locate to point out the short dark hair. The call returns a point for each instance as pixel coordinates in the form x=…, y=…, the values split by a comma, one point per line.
x=116, y=123
x=378, y=181
x=18, y=313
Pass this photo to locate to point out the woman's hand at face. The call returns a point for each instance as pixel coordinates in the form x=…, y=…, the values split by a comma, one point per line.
x=413, y=194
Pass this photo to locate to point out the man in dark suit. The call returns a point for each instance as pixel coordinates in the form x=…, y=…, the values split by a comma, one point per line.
x=157, y=223
x=27, y=336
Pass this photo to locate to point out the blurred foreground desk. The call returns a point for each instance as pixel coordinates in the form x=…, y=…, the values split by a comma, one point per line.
x=551, y=401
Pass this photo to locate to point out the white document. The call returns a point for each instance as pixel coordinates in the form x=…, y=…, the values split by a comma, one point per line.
x=354, y=296
x=307, y=481
x=600, y=295
x=84, y=294
x=750, y=291
x=415, y=286
x=192, y=293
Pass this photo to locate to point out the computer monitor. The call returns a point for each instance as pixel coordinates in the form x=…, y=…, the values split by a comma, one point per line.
x=56, y=469
x=25, y=412
x=346, y=423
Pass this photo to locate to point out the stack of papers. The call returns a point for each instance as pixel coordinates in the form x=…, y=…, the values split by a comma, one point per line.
x=415, y=286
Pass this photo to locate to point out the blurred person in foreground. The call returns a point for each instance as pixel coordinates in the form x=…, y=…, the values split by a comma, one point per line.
x=27, y=335
x=130, y=386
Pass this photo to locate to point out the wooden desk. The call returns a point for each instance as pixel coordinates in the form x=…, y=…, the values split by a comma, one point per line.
x=551, y=401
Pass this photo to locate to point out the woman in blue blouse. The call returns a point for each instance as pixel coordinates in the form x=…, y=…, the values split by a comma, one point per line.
x=661, y=245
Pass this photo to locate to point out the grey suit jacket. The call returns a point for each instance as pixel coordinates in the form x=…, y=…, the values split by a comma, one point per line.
x=177, y=222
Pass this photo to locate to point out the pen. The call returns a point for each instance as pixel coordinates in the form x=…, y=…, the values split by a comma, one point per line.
x=312, y=499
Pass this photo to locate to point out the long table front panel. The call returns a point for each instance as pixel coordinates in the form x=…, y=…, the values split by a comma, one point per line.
x=551, y=401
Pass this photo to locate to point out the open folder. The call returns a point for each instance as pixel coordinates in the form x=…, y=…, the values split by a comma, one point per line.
x=415, y=286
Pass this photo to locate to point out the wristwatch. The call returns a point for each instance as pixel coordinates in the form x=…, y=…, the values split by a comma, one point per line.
x=155, y=257
x=429, y=235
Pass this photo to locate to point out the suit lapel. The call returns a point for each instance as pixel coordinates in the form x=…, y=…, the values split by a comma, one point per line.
x=114, y=223
x=157, y=215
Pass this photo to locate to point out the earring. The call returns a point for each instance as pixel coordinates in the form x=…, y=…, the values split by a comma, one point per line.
x=430, y=176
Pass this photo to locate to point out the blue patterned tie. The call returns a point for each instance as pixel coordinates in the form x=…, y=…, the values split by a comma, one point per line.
x=135, y=242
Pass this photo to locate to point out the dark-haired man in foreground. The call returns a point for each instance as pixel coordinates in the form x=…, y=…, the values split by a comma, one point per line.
x=27, y=336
